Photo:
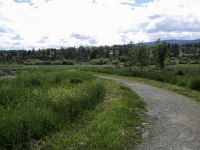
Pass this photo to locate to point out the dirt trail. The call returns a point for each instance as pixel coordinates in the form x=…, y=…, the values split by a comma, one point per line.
x=175, y=119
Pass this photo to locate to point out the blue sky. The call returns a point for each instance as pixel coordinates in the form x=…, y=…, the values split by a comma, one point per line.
x=55, y=23
x=23, y=1
x=142, y=1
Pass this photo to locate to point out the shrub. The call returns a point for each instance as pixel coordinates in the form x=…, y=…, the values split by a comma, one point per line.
x=193, y=62
x=57, y=62
x=123, y=58
x=180, y=72
x=33, y=62
x=29, y=63
x=101, y=61
x=38, y=63
x=183, y=62
x=68, y=62
x=182, y=82
x=115, y=62
x=46, y=63
x=94, y=62
x=195, y=83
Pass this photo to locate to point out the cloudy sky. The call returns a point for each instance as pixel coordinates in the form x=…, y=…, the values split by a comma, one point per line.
x=56, y=23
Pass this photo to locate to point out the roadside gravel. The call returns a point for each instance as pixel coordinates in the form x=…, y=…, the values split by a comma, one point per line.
x=174, y=119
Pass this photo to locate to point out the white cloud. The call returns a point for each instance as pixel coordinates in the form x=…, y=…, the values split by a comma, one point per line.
x=101, y=21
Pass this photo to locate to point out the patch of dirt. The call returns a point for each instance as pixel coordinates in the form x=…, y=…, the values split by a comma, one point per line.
x=7, y=73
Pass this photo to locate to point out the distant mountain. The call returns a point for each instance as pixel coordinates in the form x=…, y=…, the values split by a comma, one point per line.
x=173, y=41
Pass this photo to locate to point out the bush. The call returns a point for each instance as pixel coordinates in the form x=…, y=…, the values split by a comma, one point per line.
x=180, y=72
x=94, y=62
x=115, y=62
x=101, y=61
x=195, y=83
x=33, y=62
x=57, y=62
x=68, y=62
x=29, y=63
x=123, y=58
x=46, y=63
x=193, y=62
x=183, y=62
x=182, y=82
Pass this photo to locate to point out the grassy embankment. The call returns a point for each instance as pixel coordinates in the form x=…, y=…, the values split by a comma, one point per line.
x=65, y=109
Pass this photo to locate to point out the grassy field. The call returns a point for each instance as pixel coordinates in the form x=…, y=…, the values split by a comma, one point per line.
x=111, y=125
x=187, y=68
x=66, y=108
x=38, y=102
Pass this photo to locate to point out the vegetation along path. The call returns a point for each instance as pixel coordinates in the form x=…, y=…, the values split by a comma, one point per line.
x=174, y=119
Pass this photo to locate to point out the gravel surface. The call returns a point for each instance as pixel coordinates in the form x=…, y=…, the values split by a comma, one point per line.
x=174, y=119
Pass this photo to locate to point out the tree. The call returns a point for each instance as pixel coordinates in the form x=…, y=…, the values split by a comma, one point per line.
x=160, y=52
x=130, y=61
x=141, y=55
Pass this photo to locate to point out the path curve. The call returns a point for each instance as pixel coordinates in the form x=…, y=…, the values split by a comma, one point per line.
x=175, y=119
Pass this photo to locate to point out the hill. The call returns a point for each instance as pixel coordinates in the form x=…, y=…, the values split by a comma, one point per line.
x=174, y=41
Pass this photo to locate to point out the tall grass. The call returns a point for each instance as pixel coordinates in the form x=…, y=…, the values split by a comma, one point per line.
x=114, y=128
x=39, y=102
x=189, y=80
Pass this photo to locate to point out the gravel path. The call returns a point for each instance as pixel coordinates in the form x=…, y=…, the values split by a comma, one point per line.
x=175, y=119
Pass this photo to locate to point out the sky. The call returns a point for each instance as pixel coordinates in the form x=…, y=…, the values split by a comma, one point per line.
x=27, y=24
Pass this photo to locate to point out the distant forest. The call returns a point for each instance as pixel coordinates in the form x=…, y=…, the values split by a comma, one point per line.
x=188, y=53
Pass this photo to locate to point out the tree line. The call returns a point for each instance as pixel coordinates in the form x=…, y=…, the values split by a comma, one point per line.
x=130, y=54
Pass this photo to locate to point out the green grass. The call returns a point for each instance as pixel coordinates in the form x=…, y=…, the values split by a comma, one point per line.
x=178, y=89
x=188, y=84
x=187, y=68
x=40, y=62
x=181, y=90
x=111, y=126
x=62, y=107
x=42, y=101
x=191, y=81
